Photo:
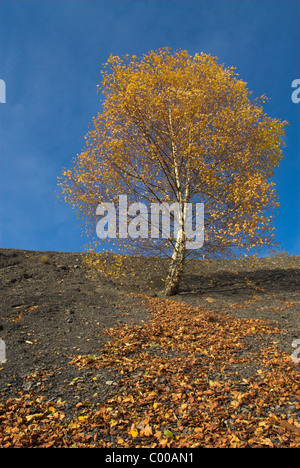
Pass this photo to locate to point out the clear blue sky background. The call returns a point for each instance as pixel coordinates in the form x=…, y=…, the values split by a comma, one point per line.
x=51, y=54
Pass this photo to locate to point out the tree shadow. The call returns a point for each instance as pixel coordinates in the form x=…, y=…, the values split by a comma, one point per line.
x=262, y=281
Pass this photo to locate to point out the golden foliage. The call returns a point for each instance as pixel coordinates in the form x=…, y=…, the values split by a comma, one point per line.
x=176, y=127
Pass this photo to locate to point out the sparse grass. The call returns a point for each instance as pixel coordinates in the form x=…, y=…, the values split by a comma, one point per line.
x=44, y=259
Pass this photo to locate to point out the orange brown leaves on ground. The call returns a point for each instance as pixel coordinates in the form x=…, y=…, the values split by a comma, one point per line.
x=187, y=378
x=18, y=317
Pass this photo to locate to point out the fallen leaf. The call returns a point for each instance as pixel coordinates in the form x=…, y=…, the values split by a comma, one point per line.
x=168, y=433
x=31, y=417
x=134, y=433
x=210, y=299
x=148, y=431
x=82, y=418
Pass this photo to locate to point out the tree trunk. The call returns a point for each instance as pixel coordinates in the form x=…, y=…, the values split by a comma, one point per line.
x=176, y=267
x=177, y=263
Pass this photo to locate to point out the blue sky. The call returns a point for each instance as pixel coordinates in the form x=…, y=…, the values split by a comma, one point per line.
x=51, y=54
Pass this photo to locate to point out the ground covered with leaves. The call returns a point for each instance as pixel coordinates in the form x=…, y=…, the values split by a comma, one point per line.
x=93, y=362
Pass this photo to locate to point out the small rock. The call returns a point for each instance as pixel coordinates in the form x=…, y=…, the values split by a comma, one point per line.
x=27, y=386
x=69, y=312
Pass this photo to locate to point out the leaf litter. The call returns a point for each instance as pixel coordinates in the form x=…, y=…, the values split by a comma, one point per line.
x=182, y=382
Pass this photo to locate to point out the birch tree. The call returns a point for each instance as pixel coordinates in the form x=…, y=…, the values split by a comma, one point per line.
x=179, y=128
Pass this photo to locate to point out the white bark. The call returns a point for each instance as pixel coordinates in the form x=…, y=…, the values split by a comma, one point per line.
x=177, y=261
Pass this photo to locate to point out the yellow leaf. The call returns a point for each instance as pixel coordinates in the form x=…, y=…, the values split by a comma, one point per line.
x=134, y=433
x=34, y=416
x=82, y=418
x=235, y=403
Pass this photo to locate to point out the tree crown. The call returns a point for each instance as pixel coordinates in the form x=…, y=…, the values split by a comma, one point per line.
x=175, y=127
